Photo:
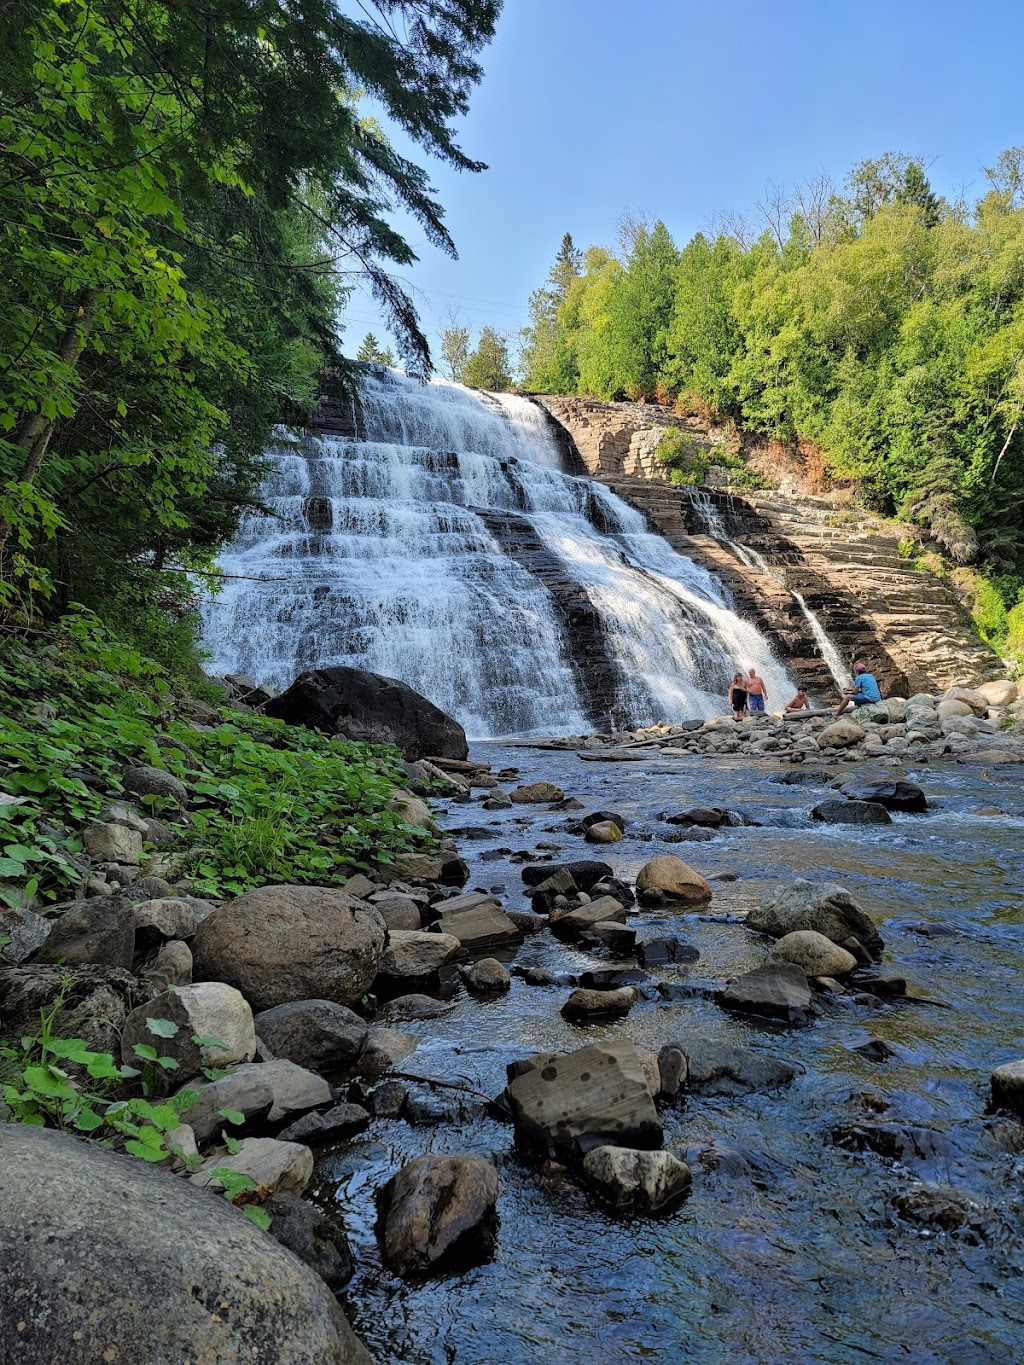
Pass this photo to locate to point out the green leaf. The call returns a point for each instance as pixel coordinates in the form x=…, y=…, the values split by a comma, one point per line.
x=257, y=1215
x=162, y=1028
x=145, y=1050
x=203, y=1040
x=232, y=1116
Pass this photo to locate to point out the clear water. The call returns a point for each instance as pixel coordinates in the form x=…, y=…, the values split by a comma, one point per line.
x=789, y=1249
x=374, y=555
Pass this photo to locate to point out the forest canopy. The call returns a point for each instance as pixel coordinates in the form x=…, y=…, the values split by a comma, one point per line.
x=878, y=323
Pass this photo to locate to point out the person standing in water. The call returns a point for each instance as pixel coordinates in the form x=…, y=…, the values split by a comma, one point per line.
x=738, y=696
x=757, y=692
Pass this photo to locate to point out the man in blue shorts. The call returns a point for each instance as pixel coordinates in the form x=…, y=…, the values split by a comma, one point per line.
x=757, y=693
x=864, y=691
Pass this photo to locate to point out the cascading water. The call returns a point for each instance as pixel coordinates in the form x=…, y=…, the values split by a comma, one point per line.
x=715, y=527
x=378, y=555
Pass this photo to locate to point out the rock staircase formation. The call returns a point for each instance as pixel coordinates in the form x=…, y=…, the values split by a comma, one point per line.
x=843, y=561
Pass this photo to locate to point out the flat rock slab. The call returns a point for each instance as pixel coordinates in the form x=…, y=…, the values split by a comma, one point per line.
x=576, y=922
x=334, y=1124
x=585, y=1099
x=851, y=813
x=778, y=990
x=416, y=953
x=722, y=1069
x=273, y=1165
x=480, y=929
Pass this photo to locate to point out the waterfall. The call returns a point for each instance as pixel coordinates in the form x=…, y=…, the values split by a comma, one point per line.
x=715, y=527
x=376, y=552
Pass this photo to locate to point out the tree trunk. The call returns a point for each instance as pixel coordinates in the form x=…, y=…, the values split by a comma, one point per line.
x=34, y=433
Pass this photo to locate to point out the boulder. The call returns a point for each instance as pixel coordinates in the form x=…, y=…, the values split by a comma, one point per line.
x=778, y=990
x=584, y=1099
x=850, y=813
x=293, y=1087
x=319, y=1034
x=145, y=780
x=603, y=832
x=1002, y=692
x=212, y=1012
x=96, y=1002
x=583, y=875
x=415, y=953
x=576, y=922
x=706, y=817
x=676, y=881
x=816, y=954
x=892, y=793
x=247, y=1090
x=487, y=977
x=113, y=843
x=971, y=697
x=480, y=928
x=98, y=932
x=312, y=1236
x=332, y=1125
x=603, y=817
x=640, y=1181
x=826, y=908
x=170, y=965
x=164, y=918
x=274, y=1166
x=842, y=734
x=1008, y=1087
x=21, y=933
x=399, y=912
x=617, y=938
x=367, y=706
x=383, y=1049
x=438, y=1213
x=282, y=943
x=537, y=793
x=584, y=1005
x=107, y=1258
x=713, y=1068
x=415, y=1006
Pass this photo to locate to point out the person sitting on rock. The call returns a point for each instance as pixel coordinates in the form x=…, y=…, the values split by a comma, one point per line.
x=800, y=702
x=864, y=692
x=738, y=696
x=757, y=692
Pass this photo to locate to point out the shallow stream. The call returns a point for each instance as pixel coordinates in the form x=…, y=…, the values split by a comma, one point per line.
x=790, y=1247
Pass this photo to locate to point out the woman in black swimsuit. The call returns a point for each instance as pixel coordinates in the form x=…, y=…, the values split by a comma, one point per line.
x=738, y=697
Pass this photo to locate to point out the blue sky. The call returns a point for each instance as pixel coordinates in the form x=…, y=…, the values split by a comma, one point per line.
x=593, y=109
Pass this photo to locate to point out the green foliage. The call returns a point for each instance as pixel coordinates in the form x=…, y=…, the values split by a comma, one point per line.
x=269, y=801
x=55, y=1082
x=372, y=353
x=487, y=367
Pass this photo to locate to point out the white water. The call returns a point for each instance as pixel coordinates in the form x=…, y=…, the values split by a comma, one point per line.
x=376, y=558
x=712, y=519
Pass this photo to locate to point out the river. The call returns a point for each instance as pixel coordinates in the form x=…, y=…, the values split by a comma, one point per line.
x=790, y=1248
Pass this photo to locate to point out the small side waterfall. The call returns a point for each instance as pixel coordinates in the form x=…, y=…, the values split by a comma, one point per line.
x=712, y=520
x=378, y=554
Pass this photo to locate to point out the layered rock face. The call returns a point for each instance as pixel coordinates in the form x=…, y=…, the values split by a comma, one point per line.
x=844, y=562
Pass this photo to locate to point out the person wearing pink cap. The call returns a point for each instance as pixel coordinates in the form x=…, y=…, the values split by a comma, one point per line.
x=864, y=691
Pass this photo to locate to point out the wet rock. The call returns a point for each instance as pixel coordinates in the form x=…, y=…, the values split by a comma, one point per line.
x=215, y=1013
x=895, y=1141
x=674, y=879
x=603, y=817
x=113, y=843
x=480, y=928
x=105, y=1255
x=1008, y=1087
x=714, y=1068
x=99, y=932
x=318, y=1034
x=360, y=705
x=672, y=1071
x=612, y=886
x=706, y=817
x=612, y=978
x=439, y=1212
x=816, y=954
x=775, y=991
x=584, y=1005
x=584, y=1099
x=850, y=813
x=399, y=912
x=274, y=1166
x=538, y=976
x=894, y=794
x=384, y=1048
x=546, y=893
x=406, y=1007
x=333, y=1125
x=583, y=874
x=826, y=908
x=691, y=835
x=617, y=938
x=603, y=832
x=640, y=1181
x=526, y=921
x=873, y=1050
x=487, y=977
x=800, y=777
x=941, y=1208
x=145, y=780
x=283, y=943
x=499, y=801
x=313, y=1237
x=842, y=734
x=658, y=952
x=576, y=922
x=415, y=954
x=536, y=793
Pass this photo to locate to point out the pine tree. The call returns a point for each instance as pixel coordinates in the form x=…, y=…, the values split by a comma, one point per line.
x=547, y=364
x=488, y=366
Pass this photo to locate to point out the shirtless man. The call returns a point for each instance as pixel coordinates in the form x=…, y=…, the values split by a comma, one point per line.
x=800, y=702
x=757, y=693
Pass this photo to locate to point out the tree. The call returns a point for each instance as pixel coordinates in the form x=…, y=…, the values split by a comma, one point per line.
x=639, y=309
x=372, y=353
x=454, y=351
x=546, y=362
x=488, y=365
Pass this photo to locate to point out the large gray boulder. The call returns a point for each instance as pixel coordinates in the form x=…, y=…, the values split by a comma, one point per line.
x=96, y=1002
x=106, y=1258
x=214, y=1029
x=367, y=706
x=826, y=908
x=283, y=943
x=439, y=1211
x=99, y=931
